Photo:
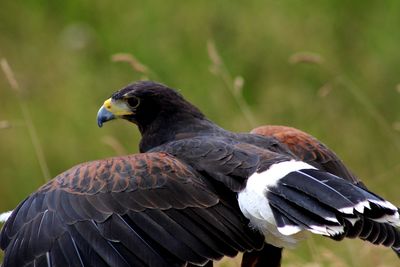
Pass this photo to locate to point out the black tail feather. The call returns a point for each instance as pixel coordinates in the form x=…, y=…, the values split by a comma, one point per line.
x=326, y=204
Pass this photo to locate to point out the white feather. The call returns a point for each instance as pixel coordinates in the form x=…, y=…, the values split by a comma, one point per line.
x=254, y=204
x=4, y=216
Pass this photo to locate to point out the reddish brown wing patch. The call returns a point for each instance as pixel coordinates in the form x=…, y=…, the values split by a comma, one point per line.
x=121, y=174
x=309, y=149
x=300, y=143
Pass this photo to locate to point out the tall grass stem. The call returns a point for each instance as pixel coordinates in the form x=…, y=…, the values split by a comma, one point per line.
x=234, y=85
x=27, y=118
x=371, y=109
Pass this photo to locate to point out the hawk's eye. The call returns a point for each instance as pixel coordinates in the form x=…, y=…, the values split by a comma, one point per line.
x=133, y=101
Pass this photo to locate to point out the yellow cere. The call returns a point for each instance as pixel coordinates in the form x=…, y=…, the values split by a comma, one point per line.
x=107, y=104
x=117, y=107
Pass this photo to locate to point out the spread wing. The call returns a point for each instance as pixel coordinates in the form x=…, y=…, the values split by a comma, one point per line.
x=309, y=149
x=141, y=210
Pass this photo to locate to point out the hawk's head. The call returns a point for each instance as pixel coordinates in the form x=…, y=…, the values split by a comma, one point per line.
x=145, y=103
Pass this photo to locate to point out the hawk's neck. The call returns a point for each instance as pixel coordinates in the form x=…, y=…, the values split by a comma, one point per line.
x=170, y=129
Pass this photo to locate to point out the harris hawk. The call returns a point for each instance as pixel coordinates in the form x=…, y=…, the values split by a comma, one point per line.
x=194, y=194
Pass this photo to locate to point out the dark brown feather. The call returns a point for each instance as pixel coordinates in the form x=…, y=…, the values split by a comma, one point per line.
x=144, y=209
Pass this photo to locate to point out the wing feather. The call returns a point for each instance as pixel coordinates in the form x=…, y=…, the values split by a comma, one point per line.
x=142, y=210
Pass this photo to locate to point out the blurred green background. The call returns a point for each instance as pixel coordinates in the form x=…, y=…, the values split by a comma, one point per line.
x=331, y=68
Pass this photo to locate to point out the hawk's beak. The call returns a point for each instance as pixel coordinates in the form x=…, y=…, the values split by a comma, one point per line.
x=112, y=109
x=103, y=116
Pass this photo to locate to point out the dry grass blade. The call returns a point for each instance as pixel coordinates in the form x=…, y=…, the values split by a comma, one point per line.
x=305, y=57
x=213, y=54
x=325, y=90
x=234, y=85
x=136, y=65
x=10, y=75
x=238, y=84
x=27, y=118
x=5, y=124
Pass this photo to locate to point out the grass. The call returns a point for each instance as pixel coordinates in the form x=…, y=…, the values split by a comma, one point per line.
x=27, y=118
x=233, y=84
x=343, y=89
